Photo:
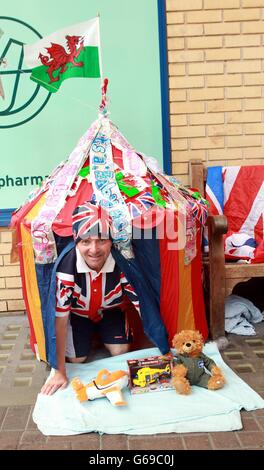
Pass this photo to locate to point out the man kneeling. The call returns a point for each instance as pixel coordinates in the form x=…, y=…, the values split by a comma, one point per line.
x=90, y=297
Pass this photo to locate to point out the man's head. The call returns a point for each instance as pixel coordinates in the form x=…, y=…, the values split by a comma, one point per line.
x=95, y=251
x=91, y=232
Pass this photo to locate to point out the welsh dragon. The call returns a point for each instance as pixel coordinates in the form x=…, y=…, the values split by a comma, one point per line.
x=59, y=58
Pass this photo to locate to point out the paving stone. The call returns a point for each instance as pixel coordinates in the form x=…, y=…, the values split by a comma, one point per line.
x=225, y=440
x=255, y=381
x=32, y=439
x=9, y=440
x=89, y=441
x=59, y=440
x=252, y=439
x=31, y=425
x=116, y=442
x=260, y=421
x=82, y=440
x=249, y=424
x=16, y=418
x=74, y=438
x=156, y=442
x=258, y=413
x=46, y=446
x=200, y=442
x=3, y=411
x=22, y=375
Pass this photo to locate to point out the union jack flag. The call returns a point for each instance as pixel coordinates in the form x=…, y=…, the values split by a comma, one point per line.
x=238, y=192
x=87, y=217
x=139, y=204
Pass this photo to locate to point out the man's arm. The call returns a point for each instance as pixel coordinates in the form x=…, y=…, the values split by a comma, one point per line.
x=59, y=379
x=64, y=291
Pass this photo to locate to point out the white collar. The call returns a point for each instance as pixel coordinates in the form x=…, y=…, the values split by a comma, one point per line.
x=82, y=267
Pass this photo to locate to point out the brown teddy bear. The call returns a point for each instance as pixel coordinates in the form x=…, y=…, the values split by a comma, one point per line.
x=192, y=366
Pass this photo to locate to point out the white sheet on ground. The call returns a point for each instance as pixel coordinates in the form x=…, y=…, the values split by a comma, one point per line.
x=147, y=413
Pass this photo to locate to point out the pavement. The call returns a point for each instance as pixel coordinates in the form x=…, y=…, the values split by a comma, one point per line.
x=21, y=377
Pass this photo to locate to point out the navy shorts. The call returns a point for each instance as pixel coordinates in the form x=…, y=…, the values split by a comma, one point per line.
x=113, y=329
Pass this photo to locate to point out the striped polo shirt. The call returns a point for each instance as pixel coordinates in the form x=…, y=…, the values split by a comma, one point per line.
x=84, y=292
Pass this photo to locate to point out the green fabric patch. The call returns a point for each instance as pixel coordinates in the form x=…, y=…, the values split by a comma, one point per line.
x=157, y=196
x=84, y=172
x=126, y=188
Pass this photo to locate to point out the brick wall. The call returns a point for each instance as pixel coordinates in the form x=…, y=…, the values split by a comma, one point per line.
x=11, y=299
x=216, y=53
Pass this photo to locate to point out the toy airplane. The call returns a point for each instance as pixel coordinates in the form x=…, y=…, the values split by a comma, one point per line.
x=106, y=384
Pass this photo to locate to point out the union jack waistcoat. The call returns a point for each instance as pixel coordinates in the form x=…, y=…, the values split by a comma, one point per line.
x=79, y=294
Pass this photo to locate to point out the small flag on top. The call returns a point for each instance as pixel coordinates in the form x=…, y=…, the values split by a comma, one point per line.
x=70, y=52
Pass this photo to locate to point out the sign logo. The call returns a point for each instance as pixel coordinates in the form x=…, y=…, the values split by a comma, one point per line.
x=22, y=99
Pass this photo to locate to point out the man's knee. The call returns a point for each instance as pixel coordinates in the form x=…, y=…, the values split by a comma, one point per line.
x=117, y=349
x=76, y=360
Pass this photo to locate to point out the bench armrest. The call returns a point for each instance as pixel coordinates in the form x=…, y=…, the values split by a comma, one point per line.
x=217, y=224
x=217, y=227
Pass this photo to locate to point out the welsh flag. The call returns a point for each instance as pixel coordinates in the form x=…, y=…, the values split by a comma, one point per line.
x=70, y=52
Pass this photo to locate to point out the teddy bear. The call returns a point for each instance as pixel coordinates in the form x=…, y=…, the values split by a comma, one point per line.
x=191, y=366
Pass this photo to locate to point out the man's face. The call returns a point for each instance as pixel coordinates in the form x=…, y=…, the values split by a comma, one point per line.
x=95, y=251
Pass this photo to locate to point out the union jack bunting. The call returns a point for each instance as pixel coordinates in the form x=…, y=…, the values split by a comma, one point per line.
x=139, y=204
x=199, y=211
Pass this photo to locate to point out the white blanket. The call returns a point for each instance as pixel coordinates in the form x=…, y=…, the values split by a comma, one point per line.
x=148, y=413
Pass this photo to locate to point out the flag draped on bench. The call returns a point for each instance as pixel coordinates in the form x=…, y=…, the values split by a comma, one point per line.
x=238, y=193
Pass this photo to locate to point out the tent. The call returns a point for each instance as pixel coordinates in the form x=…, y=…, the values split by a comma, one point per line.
x=156, y=232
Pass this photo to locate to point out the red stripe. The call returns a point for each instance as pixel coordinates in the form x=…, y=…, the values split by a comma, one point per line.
x=242, y=196
x=108, y=307
x=63, y=310
x=80, y=311
x=95, y=296
x=129, y=288
x=62, y=293
x=117, y=157
x=113, y=292
x=212, y=208
x=169, y=290
x=64, y=282
x=197, y=291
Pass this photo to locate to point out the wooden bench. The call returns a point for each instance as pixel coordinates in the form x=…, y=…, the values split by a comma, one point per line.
x=220, y=276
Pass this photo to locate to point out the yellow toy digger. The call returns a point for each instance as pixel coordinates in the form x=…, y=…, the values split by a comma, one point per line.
x=147, y=375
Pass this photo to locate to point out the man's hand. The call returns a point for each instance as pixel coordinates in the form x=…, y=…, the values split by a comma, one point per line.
x=58, y=381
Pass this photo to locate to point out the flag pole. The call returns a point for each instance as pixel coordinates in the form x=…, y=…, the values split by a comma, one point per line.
x=100, y=53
